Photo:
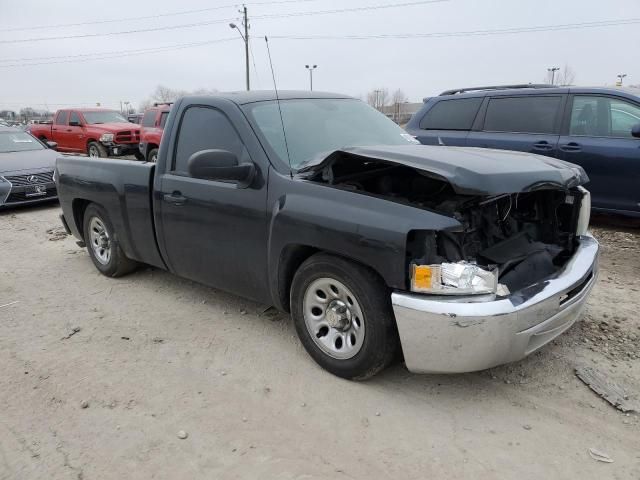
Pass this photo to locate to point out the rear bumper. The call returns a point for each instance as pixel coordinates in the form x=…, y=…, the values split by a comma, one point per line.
x=454, y=335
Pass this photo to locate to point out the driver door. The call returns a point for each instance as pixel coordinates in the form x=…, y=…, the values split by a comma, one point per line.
x=598, y=138
x=210, y=231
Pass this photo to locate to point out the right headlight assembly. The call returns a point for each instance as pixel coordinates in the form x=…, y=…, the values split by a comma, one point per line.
x=461, y=278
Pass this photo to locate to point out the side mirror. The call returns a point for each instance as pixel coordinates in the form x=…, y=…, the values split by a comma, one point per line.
x=74, y=124
x=220, y=165
x=52, y=145
x=635, y=130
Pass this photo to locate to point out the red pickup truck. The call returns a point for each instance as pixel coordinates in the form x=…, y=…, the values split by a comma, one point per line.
x=151, y=130
x=94, y=131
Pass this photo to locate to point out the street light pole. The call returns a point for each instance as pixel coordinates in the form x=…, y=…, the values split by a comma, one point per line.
x=311, y=68
x=553, y=71
x=621, y=77
x=245, y=38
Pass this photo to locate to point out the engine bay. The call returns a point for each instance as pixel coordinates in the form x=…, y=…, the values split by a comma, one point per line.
x=527, y=236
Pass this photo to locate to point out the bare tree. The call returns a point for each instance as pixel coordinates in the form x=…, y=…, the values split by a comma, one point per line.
x=397, y=99
x=378, y=98
x=566, y=76
x=164, y=94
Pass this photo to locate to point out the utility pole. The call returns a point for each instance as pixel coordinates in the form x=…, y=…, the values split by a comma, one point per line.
x=553, y=71
x=245, y=38
x=311, y=68
x=246, y=44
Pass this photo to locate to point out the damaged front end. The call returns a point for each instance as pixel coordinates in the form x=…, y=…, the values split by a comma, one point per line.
x=506, y=241
x=513, y=274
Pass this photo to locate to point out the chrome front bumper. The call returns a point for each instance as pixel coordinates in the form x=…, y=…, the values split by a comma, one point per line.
x=455, y=335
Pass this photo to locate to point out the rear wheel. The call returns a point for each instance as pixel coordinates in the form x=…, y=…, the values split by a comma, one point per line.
x=153, y=155
x=102, y=244
x=96, y=150
x=342, y=314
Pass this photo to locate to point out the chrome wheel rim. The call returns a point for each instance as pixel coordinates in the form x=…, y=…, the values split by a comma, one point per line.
x=333, y=318
x=100, y=241
x=93, y=152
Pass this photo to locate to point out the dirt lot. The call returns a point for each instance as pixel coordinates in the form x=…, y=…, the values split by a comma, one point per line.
x=155, y=355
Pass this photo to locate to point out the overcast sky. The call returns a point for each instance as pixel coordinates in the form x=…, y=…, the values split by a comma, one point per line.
x=419, y=66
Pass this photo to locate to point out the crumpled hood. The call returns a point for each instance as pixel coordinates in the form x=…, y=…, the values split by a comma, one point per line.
x=471, y=171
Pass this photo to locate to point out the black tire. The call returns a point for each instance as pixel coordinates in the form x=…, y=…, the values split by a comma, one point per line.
x=96, y=149
x=380, y=343
x=117, y=264
x=153, y=155
x=139, y=156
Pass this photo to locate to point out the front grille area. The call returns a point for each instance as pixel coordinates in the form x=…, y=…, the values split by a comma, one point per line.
x=30, y=179
x=128, y=136
x=16, y=197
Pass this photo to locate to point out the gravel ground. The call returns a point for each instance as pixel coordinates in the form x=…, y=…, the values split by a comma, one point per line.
x=152, y=376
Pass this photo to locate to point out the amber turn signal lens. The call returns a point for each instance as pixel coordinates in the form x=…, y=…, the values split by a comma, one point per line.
x=422, y=275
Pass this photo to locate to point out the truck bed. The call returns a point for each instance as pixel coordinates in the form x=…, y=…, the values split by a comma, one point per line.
x=123, y=188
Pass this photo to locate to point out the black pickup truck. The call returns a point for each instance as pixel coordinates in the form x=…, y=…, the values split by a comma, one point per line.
x=458, y=259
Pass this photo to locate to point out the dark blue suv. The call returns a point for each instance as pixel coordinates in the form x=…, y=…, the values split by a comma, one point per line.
x=597, y=128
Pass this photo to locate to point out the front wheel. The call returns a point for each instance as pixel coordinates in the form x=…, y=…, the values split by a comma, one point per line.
x=102, y=244
x=153, y=155
x=96, y=150
x=342, y=314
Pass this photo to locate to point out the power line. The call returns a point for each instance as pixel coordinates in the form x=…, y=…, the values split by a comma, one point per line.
x=146, y=17
x=124, y=32
x=124, y=54
x=225, y=20
x=503, y=31
x=113, y=52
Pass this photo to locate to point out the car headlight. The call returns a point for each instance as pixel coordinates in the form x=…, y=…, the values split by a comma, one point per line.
x=461, y=278
x=585, y=212
x=106, y=137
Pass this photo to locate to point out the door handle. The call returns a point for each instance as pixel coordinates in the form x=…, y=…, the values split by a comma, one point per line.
x=571, y=147
x=69, y=130
x=542, y=145
x=175, y=198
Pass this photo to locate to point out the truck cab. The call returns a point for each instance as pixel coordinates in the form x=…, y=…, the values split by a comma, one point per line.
x=152, y=126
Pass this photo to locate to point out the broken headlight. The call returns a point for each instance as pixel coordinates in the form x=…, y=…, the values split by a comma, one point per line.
x=461, y=278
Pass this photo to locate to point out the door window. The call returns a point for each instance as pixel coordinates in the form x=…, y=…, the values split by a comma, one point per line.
x=74, y=117
x=204, y=128
x=61, y=117
x=598, y=116
x=163, y=119
x=624, y=116
x=451, y=114
x=528, y=114
x=149, y=118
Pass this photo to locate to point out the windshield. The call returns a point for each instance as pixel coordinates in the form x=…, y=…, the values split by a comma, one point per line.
x=18, y=141
x=103, y=117
x=315, y=126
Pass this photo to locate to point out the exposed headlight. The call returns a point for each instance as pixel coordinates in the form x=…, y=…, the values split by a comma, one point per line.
x=460, y=278
x=106, y=137
x=585, y=212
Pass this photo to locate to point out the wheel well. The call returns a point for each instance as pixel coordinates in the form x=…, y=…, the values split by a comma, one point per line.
x=89, y=141
x=42, y=137
x=290, y=260
x=79, y=206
